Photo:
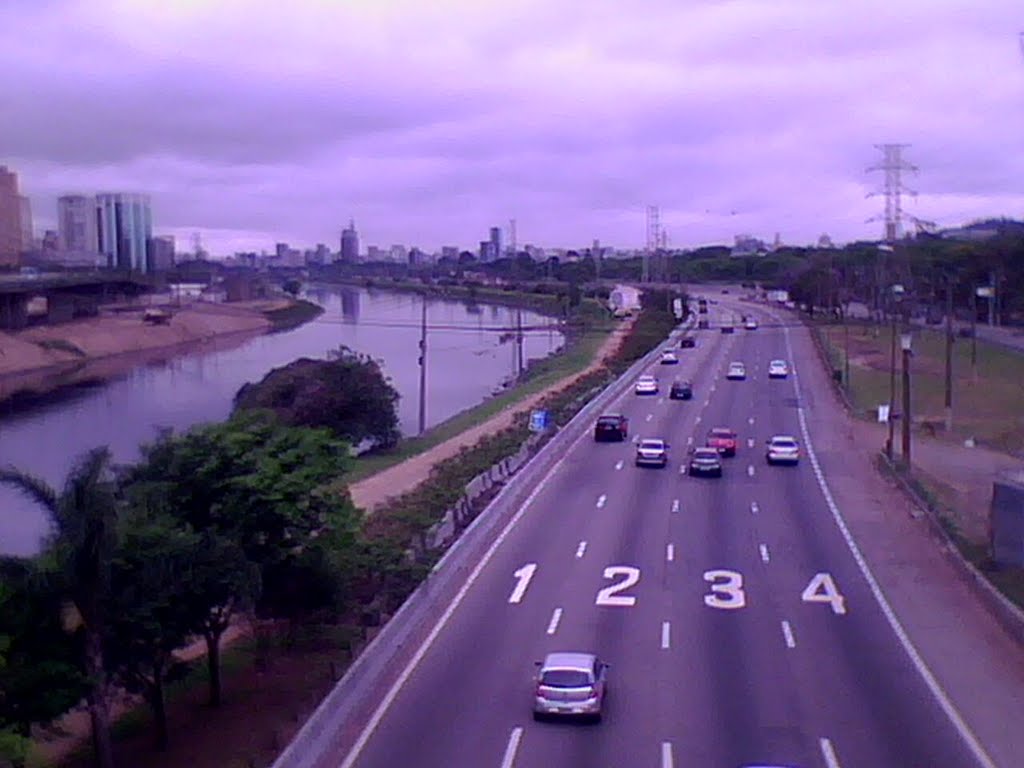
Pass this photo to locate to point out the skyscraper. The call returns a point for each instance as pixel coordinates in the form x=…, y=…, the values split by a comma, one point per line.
x=496, y=242
x=350, y=244
x=123, y=226
x=76, y=223
x=15, y=219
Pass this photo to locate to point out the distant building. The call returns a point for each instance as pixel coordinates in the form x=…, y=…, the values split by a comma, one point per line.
x=399, y=253
x=450, y=252
x=747, y=245
x=496, y=242
x=349, y=244
x=416, y=256
x=76, y=223
x=124, y=225
x=375, y=253
x=160, y=255
x=825, y=242
x=15, y=219
x=487, y=252
x=50, y=242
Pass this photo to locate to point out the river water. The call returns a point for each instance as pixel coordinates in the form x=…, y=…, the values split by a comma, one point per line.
x=467, y=358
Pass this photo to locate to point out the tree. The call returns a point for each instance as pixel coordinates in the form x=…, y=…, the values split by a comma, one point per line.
x=292, y=287
x=13, y=744
x=347, y=393
x=83, y=516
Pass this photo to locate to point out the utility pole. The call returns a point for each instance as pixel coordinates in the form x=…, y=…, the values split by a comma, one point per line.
x=949, y=354
x=974, y=332
x=905, y=343
x=519, y=343
x=889, y=447
x=846, y=351
x=423, y=367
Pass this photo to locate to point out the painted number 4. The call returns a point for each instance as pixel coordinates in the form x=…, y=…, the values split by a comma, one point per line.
x=822, y=589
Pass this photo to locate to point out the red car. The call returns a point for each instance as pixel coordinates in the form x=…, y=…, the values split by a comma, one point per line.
x=723, y=440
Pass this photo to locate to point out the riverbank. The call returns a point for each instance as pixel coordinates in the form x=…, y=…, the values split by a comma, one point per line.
x=45, y=358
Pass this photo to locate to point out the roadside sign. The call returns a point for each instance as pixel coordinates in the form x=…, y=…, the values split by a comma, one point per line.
x=539, y=421
x=984, y=291
x=883, y=413
x=677, y=307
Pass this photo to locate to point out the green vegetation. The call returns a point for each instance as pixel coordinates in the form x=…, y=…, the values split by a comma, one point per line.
x=295, y=314
x=61, y=345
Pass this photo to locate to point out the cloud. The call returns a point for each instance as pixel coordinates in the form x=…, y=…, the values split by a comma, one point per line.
x=430, y=122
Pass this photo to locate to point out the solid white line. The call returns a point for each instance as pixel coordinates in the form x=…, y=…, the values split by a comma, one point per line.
x=513, y=746
x=555, y=618
x=666, y=755
x=670, y=552
x=828, y=753
x=618, y=464
x=754, y=509
x=675, y=505
x=601, y=500
x=750, y=470
x=666, y=631
x=940, y=695
x=787, y=632
x=765, y=557
x=581, y=549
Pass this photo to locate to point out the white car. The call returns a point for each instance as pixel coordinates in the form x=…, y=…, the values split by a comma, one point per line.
x=646, y=385
x=669, y=358
x=751, y=325
x=778, y=369
x=783, y=449
x=736, y=372
x=652, y=452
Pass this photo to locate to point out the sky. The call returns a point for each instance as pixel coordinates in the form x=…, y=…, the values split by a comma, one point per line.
x=253, y=122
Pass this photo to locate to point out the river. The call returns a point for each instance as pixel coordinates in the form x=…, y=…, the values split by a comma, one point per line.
x=466, y=359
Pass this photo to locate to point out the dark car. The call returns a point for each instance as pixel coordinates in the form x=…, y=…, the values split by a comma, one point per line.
x=681, y=390
x=723, y=440
x=687, y=342
x=611, y=428
x=705, y=461
x=702, y=309
x=702, y=324
x=726, y=329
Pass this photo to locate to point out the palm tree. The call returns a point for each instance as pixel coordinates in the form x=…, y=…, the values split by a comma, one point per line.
x=83, y=517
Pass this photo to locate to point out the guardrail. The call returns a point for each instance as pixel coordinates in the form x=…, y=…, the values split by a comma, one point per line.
x=356, y=686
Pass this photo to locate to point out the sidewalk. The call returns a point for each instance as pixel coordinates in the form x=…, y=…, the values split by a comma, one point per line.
x=394, y=481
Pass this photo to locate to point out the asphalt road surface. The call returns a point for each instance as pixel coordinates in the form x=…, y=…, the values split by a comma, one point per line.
x=738, y=624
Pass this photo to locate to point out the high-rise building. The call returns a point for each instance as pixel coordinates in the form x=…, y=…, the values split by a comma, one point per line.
x=487, y=252
x=496, y=242
x=349, y=244
x=15, y=219
x=124, y=224
x=76, y=223
x=160, y=256
x=450, y=252
x=399, y=253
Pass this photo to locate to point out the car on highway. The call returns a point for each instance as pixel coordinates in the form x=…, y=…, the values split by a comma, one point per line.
x=652, y=452
x=727, y=329
x=681, y=390
x=687, y=342
x=723, y=440
x=646, y=385
x=751, y=324
x=702, y=324
x=783, y=449
x=669, y=358
x=705, y=461
x=736, y=372
x=612, y=427
x=778, y=369
x=570, y=684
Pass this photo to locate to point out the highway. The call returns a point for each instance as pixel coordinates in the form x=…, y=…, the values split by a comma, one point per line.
x=739, y=626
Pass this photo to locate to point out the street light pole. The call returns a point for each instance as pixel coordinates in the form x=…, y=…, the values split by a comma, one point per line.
x=892, y=387
x=905, y=341
x=949, y=354
x=974, y=332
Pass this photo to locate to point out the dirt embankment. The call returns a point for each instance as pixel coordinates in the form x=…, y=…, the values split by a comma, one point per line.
x=45, y=357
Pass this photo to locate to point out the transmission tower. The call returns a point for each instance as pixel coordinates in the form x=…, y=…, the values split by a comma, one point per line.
x=893, y=165
x=653, y=238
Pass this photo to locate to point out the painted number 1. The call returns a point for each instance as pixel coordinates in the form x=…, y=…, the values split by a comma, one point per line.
x=523, y=575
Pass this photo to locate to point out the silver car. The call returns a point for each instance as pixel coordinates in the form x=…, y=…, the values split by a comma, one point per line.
x=783, y=449
x=652, y=452
x=570, y=684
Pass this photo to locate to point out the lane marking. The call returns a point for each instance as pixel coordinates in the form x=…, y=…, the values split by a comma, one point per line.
x=649, y=417
x=947, y=706
x=512, y=747
x=666, y=632
x=581, y=549
x=750, y=421
x=787, y=632
x=754, y=509
x=666, y=755
x=750, y=470
x=675, y=505
x=828, y=753
x=618, y=464
x=555, y=618
x=697, y=420
x=523, y=576
x=689, y=440
x=707, y=402
x=713, y=387
x=670, y=552
x=765, y=557
x=750, y=442
x=601, y=500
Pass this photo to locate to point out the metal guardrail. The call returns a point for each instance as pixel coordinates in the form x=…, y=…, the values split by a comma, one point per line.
x=315, y=737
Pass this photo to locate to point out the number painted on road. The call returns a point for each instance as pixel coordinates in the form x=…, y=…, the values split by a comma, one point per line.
x=726, y=590
x=822, y=589
x=610, y=595
x=524, y=575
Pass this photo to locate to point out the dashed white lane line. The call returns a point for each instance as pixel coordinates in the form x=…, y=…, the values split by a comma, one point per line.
x=689, y=440
x=670, y=552
x=707, y=402
x=828, y=753
x=750, y=470
x=666, y=635
x=619, y=464
x=675, y=505
x=754, y=509
x=787, y=632
x=509, y=758
x=750, y=442
x=555, y=618
x=601, y=500
x=581, y=549
x=763, y=549
x=713, y=387
x=666, y=755
x=697, y=420
x=649, y=417
x=750, y=421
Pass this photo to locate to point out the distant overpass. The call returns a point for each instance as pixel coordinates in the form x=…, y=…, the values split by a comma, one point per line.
x=68, y=295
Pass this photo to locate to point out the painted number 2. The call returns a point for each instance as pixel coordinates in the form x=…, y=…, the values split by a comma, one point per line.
x=628, y=576
x=726, y=590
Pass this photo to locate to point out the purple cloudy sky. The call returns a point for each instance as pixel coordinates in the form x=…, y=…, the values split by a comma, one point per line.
x=256, y=121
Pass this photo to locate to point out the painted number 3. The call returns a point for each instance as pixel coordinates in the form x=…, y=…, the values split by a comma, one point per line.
x=726, y=590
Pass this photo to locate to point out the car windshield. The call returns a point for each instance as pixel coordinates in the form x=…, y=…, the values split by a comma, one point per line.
x=653, y=445
x=784, y=442
x=565, y=678
x=608, y=421
x=705, y=453
x=728, y=433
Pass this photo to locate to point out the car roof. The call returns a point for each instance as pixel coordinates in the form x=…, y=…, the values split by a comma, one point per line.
x=780, y=438
x=721, y=431
x=650, y=440
x=682, y=381
x=735, y=363
x=705, y=450
x=647, y=376
x=569, y=660
x=615, y=416
x=777, y=362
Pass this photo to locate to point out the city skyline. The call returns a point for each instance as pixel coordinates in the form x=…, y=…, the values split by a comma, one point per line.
x=433, y=124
